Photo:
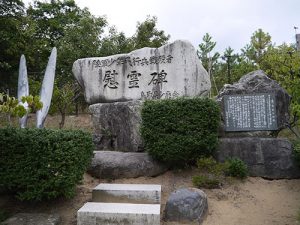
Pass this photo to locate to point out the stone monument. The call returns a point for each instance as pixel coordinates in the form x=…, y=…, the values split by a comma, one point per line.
x=115, y=86
x=23, y=88
x=252, y=110
x=46, y=89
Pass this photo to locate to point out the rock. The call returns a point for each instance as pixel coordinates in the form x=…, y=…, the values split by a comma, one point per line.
x=114, y=165
x=33, y=219
x=185, y=205
x=23, y=89
x=47, y=89
x=255, y=83
x=149, y=73
x=116, y=126
x=265, y=157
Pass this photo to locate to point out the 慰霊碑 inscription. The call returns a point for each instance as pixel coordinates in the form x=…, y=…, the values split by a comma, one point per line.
x=170, y=71
x=250, y=112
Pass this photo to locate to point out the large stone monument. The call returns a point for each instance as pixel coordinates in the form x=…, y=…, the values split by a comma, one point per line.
x=253, y=109
x=115, y=86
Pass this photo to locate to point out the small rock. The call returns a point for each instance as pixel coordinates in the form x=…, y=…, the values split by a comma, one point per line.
x=185, y=205
x=33, y=219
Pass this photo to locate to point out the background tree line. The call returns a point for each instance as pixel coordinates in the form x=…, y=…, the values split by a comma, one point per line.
x=36, y=29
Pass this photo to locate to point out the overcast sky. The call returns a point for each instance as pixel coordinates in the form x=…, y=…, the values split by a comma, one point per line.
x=230, y=22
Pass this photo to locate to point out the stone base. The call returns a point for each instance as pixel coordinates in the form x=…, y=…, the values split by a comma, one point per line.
x=114, y=165
x=127, y=193
x=266, y=157
x=93, y=213
x=116, y=126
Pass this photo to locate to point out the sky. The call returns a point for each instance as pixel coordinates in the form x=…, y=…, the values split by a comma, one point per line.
x=229, y=22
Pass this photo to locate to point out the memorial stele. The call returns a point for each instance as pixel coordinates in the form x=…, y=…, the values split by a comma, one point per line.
x=250, y=112
x=170, y=71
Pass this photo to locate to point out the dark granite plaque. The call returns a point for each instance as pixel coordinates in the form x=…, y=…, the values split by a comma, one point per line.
x=250, y=112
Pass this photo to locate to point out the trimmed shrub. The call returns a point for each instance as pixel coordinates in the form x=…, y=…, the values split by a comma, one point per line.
x=41, y=164
x=178, y=131
x=236, y=168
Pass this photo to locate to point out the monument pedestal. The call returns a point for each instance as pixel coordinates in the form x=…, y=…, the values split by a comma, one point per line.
x=265, y=157
x=116, y=126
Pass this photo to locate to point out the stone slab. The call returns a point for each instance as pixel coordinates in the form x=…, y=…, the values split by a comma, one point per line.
x=265, y=157
x=127, y=193
x=114, y=165
x=93, y=213
x=33, y=219
x=170, y=71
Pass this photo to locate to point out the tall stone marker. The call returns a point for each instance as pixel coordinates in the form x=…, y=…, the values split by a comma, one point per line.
x=170, y=71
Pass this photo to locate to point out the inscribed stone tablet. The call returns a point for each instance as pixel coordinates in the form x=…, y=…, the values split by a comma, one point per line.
x=250, y=112
x=170, y=71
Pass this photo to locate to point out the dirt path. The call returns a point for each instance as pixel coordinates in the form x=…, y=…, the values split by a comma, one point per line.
x=253, y=202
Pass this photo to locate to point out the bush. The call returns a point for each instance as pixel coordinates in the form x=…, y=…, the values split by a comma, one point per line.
x=210, y=165
x=204, y=181
x=179, y=131
x=236, y=168
x=296, y=151
x=43, y=164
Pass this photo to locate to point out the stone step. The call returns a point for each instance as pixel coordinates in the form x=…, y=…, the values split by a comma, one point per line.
x=95, y=213
x=127, y=193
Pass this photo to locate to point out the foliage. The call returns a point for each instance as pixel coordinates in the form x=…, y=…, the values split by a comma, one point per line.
x=205, y=50
x=282, y=63
x=260, y=42
x=3, y=215
x=210, y=165
x=296, y=150
x=236, y=168
x=115, y=43
x=204, y=181
x=63, y=101
x=43, y=164
x=214, y=173
x=147, y=34
x=11, y=42
x=178, y=131
x=11, y=105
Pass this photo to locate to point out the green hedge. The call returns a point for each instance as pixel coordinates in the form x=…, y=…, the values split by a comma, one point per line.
x=179, y=131
x=41, y=164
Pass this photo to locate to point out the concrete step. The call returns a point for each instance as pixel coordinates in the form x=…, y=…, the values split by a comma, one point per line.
x=95, y=213
x=127, y=193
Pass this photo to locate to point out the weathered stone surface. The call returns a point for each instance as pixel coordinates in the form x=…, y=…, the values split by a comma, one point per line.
x=254, y=83
x=96, y=213
x=127, y=193
x=116, y=126
x=186, y=205
x=113, y=165
x=33, y=219
x=150, y=73
x=23, y=88
x=47, y=89
x=266, y=157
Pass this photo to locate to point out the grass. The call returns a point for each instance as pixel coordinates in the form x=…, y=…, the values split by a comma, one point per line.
x=82, y=121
